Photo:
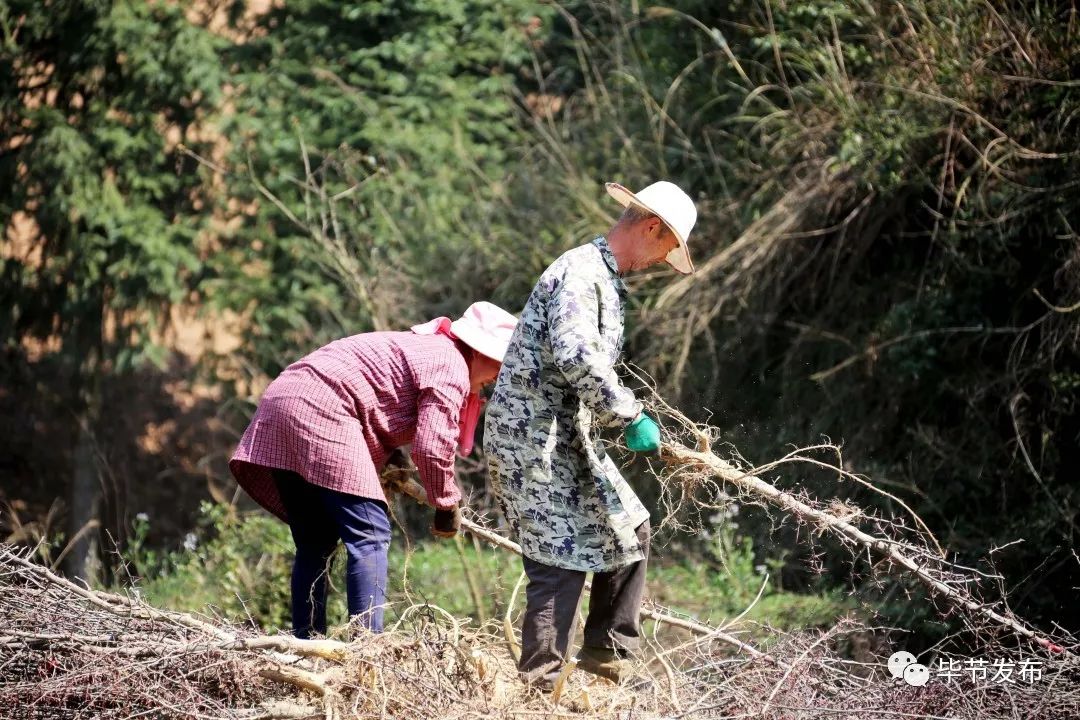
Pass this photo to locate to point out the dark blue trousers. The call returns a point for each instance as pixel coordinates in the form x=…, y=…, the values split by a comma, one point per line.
x=319, y=518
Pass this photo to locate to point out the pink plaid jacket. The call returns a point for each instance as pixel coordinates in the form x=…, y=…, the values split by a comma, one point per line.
x=335, y=416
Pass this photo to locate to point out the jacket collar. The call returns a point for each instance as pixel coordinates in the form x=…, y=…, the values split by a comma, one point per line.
x=609, y=259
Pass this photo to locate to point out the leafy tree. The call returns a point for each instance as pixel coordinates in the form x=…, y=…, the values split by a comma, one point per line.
x=95, y=97
x=402, y=111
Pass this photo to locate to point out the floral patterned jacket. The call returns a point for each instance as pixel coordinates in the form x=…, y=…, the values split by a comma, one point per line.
x=562, y=494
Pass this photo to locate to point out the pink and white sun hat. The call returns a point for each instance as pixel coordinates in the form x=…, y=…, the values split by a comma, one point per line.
x=669, y=203
x=486, y=328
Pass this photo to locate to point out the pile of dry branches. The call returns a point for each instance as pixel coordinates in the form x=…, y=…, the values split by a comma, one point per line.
x=70, y=651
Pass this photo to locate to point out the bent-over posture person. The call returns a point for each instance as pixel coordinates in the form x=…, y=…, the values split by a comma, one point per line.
x=563, y=497
x=326, y=426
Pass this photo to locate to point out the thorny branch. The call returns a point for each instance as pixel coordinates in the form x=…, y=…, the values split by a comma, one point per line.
x=695, y=477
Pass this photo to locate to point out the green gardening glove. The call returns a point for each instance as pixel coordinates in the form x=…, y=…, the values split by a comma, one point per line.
x=643, y=435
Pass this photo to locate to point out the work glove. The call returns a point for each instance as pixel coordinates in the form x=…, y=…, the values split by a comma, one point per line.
x=397, y=473
x=643, y=434
x=446, y=522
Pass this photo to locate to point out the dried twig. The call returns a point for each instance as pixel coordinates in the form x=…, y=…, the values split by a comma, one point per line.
x=700, y=469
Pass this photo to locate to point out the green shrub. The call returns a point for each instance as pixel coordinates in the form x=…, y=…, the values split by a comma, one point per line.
x=234, y=566
x=728, y=579
x=237, y=567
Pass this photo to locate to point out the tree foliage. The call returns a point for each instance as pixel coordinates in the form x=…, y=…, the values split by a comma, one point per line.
x=401, y=110
x=95, y=97
x=102, y=211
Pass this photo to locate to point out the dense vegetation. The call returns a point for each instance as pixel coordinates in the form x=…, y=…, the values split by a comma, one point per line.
x=887, y=244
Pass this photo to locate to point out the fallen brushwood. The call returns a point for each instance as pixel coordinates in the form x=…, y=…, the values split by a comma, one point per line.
x=67, y=651
x=699, y=476
x=71, y=651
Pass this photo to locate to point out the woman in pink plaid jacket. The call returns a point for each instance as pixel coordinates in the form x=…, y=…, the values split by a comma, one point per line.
x=326, y=426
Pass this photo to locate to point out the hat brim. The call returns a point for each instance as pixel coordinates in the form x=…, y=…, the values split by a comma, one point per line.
x=679, y=258
x=479, y=341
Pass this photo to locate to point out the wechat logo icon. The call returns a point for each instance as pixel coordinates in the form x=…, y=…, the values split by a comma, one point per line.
x=902, y=664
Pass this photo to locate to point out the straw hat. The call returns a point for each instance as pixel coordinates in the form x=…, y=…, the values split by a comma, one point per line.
x=486, y=328
x=668, y=202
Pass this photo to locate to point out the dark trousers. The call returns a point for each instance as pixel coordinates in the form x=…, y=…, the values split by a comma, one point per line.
x=552, y=598
x=318, y=519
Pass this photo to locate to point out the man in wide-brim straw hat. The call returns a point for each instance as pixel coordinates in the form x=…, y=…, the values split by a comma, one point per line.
x=326, y=426
x=563, y=497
